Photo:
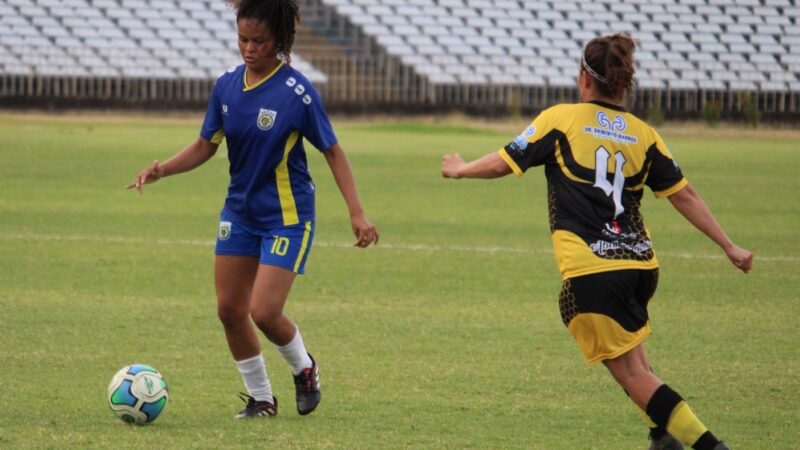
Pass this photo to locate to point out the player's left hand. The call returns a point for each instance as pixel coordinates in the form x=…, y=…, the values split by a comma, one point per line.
x=451, y=165
x=365, y=231
x=741, y=258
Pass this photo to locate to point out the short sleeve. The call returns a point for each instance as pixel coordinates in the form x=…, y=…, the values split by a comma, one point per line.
x=533, y=147
x=212, y=129
x=317, y=126
x=664, y=177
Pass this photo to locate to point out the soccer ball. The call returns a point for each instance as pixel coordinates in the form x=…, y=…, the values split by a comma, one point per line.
x=137, y=394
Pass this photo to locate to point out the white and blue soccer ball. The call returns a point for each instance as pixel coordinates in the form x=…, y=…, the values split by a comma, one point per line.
x=137, y=394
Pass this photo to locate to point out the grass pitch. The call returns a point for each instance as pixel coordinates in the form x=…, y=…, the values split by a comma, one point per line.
x=447, y=335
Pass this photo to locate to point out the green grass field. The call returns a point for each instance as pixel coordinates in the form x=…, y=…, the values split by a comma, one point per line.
x=447, y=335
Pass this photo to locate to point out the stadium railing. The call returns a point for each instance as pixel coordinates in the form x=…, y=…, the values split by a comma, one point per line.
x=364, y=76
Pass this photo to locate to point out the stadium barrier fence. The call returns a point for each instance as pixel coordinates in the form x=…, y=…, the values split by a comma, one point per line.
x=359, y=84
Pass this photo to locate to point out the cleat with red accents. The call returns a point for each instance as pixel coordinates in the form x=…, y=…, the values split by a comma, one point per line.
x=306, y=385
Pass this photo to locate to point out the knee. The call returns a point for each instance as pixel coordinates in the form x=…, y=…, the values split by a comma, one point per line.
x=264, y=318
x=230, y=313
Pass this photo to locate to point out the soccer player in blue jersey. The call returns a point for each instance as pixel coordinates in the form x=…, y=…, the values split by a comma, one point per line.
x=598, y=158
x=264, y=108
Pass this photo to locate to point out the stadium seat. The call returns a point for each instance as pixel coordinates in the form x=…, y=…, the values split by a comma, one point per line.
x=755, y=42
x=83, y=28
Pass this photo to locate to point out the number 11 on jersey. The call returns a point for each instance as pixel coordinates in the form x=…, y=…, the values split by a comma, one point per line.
x=601, y=157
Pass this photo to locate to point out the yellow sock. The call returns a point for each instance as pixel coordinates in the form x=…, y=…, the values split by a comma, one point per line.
x=667, y=409
x=684, y=424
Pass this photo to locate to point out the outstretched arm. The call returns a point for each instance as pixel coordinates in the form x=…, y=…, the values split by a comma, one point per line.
x=364, y=230
x=187, y=159
x=689, y=203
x=489, y=166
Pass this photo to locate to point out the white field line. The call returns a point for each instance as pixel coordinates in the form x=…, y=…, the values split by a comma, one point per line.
x=384, y=246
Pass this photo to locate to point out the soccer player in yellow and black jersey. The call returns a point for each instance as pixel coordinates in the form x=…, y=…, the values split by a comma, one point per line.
x=598, y=159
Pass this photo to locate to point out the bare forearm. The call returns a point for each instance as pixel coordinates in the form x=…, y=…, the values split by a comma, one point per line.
x=489, y=166
x=363, y=229
x=343, y=174
x=689, y=203
x=194, y=155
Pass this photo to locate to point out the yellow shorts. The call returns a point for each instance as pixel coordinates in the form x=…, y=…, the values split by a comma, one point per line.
x=606, y=312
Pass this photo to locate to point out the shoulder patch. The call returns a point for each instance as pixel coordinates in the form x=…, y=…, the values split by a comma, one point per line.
x=521, y=142
x=530, y=131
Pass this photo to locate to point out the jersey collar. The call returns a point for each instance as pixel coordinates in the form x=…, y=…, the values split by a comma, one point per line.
x=608, y=105
x=250, y=88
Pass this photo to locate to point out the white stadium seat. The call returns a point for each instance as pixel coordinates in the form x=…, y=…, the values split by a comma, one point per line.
x=683, y=44
x=113, y=37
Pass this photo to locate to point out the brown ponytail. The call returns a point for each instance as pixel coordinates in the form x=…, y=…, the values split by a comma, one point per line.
x=610, y=63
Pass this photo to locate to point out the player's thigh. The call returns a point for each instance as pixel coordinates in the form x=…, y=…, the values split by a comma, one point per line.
x=629, y=365
x=270, y=291
x=234, y=277
x=284, y=251
x=237, y=248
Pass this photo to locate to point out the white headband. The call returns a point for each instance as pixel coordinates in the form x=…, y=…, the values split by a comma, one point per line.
x=591, y=71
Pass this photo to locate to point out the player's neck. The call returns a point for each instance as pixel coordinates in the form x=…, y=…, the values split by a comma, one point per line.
x=600, y=99
x=255, y=75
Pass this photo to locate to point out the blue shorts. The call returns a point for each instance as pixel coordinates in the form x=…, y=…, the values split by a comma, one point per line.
x=285, y=247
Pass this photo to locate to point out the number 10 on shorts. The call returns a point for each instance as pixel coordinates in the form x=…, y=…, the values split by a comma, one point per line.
x=280, y=245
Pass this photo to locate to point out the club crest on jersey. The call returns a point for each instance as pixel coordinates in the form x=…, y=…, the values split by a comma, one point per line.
x=224, y=231
x=266, y=119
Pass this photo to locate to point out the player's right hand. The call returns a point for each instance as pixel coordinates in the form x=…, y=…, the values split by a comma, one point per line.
x=148, y=175
x=451, y=165
x=741, y=258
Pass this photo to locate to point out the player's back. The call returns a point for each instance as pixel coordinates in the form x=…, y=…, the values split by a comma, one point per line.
x=597, y=158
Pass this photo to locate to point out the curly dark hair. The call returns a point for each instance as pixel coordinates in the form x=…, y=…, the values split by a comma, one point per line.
x=611, y=57
x=280, y=17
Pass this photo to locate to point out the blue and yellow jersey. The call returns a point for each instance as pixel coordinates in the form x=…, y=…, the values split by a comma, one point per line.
x=264, y=126
x=598, y=158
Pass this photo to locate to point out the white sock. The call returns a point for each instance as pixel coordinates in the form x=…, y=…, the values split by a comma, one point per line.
x=295, y=354
x=254, y=374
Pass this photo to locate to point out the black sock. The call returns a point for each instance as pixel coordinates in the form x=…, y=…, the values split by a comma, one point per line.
x=706, y=442
x=667, y=409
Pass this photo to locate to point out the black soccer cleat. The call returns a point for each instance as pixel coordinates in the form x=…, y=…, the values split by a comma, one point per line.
x=255, y=408
x=721, y=446
x=666, y=442
x=306, y=386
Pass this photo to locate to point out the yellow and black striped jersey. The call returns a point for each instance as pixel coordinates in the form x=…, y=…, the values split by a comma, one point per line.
x=597, y=159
